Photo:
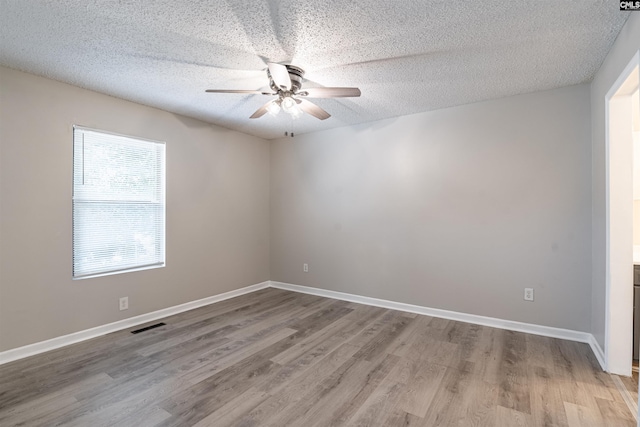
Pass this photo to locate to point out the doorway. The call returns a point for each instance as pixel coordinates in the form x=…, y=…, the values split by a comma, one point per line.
x=619, y=220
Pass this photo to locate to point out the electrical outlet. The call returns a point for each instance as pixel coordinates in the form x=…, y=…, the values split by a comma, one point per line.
x=124, y=303
x=305, y=268
x=528, y=294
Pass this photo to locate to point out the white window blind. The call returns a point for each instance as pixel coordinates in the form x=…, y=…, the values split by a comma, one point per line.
x=118, y=203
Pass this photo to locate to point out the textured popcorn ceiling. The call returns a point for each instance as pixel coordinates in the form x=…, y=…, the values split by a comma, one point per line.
x=406, y=56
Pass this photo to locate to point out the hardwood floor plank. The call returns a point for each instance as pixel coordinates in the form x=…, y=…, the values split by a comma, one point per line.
x=547, y=406
x=438, y=323
x=292, y=382
x=538, y=350
x=37, y=411
x=469, y=340
x=514, y=379
x=487, y=355
x=372, y=330
x=506, y=417
x=230, y=355
x=615, y=413
x=383, y=339
x=348, y=403
x=515, y=394
x=228, y=414
x=124, y=413
x=51, y=402
x=447, y=407
x=582, y=416
x=293, y=414
x=402, y=419
x=418, y=342
x=230, y=322
x=344, y=391
x=424, y=384
x=197, y=402
x=478, y=403
x=336, y=333
x=382, y=402
x=406, y=337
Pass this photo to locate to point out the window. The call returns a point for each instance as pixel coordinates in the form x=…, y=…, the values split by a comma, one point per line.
x=118, y=203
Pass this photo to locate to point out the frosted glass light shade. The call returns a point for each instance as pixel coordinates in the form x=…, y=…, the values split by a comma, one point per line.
x=288, y=104
x=273, y=108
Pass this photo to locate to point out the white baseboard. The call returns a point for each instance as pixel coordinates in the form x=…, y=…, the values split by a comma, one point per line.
x=547, y=331
x=597, y=351
x=52, y=344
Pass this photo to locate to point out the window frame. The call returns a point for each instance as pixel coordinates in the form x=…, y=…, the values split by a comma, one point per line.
x=162, y=203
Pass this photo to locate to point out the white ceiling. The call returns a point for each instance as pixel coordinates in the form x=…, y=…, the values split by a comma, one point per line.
x=406, y=56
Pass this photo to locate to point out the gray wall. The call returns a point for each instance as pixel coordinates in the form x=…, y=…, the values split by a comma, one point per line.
x=457, y=209
x=626, y=45
x=217, y=220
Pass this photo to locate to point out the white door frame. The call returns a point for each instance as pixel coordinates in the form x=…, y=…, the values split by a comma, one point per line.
x=619, y=221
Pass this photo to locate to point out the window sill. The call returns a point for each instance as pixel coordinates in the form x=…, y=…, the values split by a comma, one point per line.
x=128, y=270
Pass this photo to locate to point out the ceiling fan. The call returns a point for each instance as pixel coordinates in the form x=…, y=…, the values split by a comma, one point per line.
x=286, y=83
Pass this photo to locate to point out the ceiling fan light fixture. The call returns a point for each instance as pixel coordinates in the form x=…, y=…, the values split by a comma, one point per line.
x=288, y=104
x=274, y=107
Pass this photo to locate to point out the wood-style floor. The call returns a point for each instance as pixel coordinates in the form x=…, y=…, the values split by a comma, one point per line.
x=277, y=358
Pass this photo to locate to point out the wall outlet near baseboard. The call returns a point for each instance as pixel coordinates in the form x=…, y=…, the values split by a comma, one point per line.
x=528, y=294
x=124, y=303
x=305, y=267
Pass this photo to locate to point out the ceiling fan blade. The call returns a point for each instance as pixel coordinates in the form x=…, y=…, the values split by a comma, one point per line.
x=256, y=92
x=312, y=109
x=280, y=75
x=260, y=111
x=330, y=92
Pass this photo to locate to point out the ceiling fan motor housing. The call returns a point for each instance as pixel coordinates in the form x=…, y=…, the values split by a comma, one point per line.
x=295, y=74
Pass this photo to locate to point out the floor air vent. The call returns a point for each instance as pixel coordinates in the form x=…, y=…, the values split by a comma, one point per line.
x=157, y=325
